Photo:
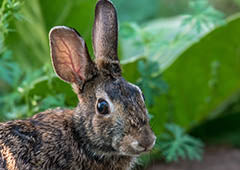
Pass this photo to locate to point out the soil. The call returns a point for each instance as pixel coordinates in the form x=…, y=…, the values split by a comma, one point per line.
x=214, y=158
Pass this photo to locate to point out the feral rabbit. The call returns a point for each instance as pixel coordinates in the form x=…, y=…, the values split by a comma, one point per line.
x=108, y=129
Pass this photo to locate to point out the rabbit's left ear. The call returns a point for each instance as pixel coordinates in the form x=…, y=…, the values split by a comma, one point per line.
x=105, y=38
x=70, y=56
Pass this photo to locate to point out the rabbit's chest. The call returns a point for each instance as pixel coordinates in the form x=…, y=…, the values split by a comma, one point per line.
x=113, y=163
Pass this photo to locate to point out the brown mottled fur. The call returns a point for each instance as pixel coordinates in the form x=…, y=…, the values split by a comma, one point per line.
x=46, y=141
x=83, y=138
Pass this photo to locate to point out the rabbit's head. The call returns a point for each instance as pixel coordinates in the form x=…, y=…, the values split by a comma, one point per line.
x=112, y=116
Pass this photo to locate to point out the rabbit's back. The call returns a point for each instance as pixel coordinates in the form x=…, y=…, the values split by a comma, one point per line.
x=41, y=142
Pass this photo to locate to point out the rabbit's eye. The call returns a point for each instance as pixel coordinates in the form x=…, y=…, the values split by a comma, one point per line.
x=102, y=107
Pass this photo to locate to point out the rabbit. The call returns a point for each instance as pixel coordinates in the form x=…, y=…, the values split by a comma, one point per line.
x=107, y=130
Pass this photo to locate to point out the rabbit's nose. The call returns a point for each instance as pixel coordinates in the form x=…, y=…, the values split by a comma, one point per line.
x=148, y=142
x=145, y=144
x=147, y=139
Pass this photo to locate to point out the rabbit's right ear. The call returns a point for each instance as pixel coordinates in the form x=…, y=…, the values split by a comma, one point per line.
x=70, y=56
x=105, y=38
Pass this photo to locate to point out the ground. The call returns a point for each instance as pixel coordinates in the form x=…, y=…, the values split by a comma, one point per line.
x=215, y=158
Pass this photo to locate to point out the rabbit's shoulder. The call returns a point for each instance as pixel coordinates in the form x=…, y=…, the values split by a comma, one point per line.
x=51, y=120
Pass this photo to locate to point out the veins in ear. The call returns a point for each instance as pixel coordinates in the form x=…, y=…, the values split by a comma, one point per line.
x=68, y=53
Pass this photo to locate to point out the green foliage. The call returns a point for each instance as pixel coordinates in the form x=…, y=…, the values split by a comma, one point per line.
x=237, y=2
x=40, y=16
x=163, y=40
x=223, y=130
x=151, y=83
x=16, y=103
x=52, y=102
x=129, y=10
x=33, y=91
x=204, y=77
x=175, y=144
x=10, y=71
x=203, y=15
x=9, y=9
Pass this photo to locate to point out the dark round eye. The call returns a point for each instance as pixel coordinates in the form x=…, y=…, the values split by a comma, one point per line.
x=102, y=107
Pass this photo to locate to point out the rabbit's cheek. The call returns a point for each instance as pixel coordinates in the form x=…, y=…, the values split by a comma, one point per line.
x=102, y=124
x=116, y=142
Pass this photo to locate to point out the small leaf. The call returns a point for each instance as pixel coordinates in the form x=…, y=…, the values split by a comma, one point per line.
x=175, y=144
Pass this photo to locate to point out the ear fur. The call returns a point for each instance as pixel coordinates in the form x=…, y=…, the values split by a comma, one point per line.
x=105, y=38
x=70, y=56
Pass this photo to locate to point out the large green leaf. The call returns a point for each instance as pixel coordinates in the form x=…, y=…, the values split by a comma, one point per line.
x=204, y=77
x=160, y=40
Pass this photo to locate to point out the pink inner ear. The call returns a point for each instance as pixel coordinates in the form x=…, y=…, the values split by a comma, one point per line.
x=68, y=58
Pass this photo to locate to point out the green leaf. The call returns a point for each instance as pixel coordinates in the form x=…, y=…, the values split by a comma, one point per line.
x=45, y=87
x=214, y=133
x=151, y=83
x=202, y=79
x=10, y=71
x=175, y=144
x=203, y=15
x=163, y=40
x=160, y=41
x=57, y=100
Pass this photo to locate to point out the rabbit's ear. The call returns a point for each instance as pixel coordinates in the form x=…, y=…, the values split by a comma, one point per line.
x=105, y=37
x=70, y=56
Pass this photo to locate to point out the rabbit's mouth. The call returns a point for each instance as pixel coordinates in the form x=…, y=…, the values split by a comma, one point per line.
x=135, y=148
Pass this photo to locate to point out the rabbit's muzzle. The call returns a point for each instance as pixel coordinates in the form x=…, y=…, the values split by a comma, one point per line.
x=142, y=140
x=145, y=142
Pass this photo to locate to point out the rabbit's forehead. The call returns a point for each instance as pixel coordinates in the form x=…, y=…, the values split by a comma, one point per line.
x=120, y=90
x=138, y=89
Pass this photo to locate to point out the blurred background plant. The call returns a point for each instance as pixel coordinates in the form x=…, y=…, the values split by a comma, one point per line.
x=184, y=54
